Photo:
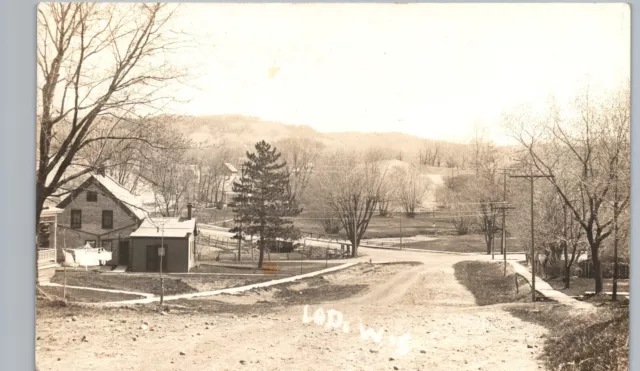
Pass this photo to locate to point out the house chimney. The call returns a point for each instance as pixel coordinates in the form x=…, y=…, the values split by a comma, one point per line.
x=189, y=206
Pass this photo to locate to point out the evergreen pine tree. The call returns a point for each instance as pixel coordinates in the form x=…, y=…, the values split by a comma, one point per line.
x=262, y=205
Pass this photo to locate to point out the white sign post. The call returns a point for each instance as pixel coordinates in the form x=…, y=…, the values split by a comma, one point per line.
x=161, y=251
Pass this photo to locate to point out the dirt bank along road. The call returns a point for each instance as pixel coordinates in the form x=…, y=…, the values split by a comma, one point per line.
x=413, y=317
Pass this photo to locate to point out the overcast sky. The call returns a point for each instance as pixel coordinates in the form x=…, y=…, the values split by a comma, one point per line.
x=433, y=70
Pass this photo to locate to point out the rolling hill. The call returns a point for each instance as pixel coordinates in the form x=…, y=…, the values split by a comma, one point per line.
x=242, y=132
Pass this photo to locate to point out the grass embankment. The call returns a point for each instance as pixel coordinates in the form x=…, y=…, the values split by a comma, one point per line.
x=577, y=340
x=124, y=282
x=487, y=282
x=87, y=296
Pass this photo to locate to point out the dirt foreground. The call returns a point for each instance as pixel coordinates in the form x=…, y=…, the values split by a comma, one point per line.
x=420, y=318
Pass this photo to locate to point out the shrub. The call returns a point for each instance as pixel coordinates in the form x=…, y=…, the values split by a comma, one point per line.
x=331, y=225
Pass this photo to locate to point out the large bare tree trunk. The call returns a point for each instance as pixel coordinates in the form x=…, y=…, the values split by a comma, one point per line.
x=567, y=267
x=597, y=267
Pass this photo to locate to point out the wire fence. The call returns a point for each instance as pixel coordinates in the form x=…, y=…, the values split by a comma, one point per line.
x=218, y=249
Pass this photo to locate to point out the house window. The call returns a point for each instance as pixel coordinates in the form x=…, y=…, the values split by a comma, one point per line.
x=91, y=243
x=76, y=219
x=107, y=219
x=92, y=196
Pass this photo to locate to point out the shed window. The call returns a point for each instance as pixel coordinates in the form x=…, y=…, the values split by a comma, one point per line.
x=92, y=196
x=76, y=219
x=107, y=219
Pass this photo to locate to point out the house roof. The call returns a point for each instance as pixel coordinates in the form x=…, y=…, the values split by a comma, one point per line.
x=230, y=167
x=128, y=200
x=131, y=202
x=172, y=227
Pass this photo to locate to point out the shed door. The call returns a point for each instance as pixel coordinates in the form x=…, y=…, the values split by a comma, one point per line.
x=153, y=260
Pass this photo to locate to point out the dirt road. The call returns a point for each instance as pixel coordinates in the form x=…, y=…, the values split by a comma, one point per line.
x=264, y=330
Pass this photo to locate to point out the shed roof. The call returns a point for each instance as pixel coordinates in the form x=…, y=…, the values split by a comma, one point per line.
x=167, y=227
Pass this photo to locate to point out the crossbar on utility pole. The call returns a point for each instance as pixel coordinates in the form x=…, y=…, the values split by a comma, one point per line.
x=531, y=176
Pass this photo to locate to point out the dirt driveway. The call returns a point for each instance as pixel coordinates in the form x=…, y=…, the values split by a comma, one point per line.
x=447, y=330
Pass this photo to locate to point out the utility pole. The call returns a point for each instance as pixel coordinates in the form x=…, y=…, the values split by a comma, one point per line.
x=492, y=226
x=504, y=207
x=616, y=211
x=400, y=231
x=504, y=199
x=161, y=253
x=240, y=221
x=531, y=176
x=355, y=232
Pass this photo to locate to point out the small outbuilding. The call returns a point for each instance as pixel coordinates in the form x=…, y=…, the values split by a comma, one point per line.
x=177, y=236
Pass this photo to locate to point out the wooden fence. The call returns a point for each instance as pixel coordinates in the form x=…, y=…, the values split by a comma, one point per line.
x=47, y=256
x=586, y=269
x=583, y=269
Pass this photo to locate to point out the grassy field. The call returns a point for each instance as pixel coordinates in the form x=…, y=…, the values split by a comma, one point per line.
x=577, y=341
x=467, y=243
x=380, y=227
x=214, y=216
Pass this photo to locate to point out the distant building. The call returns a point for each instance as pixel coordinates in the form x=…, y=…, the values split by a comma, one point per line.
x=230, y=175
x=47, y=241
x=230, y=170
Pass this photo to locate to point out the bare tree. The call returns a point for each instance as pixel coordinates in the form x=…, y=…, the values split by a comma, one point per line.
x=315, y=202
x=411, y=187
x=352, y=194
x=483, y=190
x=100, y=71
x=300, y=155
x=431, y=155
x=571, y=244
x=460, y=217
x=575, y=148
x=485, y=155
x=173, y=181
x=385, y=195
x=214, y=174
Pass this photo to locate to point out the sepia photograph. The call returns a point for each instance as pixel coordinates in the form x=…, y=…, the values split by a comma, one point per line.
x=257, y=186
